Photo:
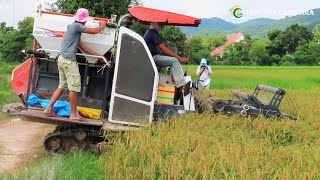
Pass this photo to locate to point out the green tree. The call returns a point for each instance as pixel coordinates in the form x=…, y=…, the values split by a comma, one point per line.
x=295, y=34
x=139, y=28
x=16, y=40
x=276, y=45
x=286, y=42
x=276, y=59
x=237, y=54
x=286, y=60
x=98, y=8
x=308, y=54
x=258, y=53
x=26, y=27
x=316, y=33
x=211, y=42
x=174, y=38
x=4, y=30
x=195, y=49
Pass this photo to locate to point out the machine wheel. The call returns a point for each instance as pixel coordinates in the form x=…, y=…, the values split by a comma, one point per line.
x=218, y=105
x=243, y=113
x=80, y=135
x=53, y=144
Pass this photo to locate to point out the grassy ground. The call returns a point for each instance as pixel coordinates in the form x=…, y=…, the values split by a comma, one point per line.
x=211, y=146
x=77, y=165
x=6, y=93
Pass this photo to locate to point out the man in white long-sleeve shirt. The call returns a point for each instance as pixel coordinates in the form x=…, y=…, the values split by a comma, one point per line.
x=204, y=72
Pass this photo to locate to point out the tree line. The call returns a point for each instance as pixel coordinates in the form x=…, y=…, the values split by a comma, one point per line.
x=296, y=45
x=12, y=41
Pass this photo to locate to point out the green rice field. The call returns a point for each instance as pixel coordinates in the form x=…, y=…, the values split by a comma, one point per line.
x=290, y=77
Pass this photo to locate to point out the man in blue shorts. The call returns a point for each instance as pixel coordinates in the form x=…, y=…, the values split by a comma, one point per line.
x=69, y=76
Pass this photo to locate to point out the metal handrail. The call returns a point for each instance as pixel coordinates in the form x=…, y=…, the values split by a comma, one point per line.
x=107, y=64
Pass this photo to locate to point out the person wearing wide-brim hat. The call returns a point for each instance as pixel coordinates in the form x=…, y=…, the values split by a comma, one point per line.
x=69, y=76
x=204, y=72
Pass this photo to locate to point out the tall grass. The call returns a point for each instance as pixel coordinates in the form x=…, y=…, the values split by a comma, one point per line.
x=6, y=92
x=211, y=146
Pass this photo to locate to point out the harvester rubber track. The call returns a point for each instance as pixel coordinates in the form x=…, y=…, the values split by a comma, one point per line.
x=70, y=138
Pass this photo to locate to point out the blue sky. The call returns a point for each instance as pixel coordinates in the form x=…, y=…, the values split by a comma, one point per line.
x=12, y=11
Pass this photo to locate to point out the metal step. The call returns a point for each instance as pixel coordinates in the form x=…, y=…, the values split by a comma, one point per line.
x=40, y=117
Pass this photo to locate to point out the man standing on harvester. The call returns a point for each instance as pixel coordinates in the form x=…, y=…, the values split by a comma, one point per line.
x=69, y=76
x=154, y=41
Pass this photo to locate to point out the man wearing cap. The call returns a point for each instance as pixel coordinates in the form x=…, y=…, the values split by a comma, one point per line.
x=154, y=42
x=69, y=76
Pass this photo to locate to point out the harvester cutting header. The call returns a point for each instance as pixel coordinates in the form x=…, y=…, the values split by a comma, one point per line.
x=122, y=92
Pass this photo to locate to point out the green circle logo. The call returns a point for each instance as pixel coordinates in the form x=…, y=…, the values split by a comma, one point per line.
x=236, y=11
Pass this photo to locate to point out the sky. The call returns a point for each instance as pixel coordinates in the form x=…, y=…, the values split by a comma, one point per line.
x=274, y=9
x=13, y=11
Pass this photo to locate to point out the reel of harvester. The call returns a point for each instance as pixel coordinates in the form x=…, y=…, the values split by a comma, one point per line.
x=264, y=100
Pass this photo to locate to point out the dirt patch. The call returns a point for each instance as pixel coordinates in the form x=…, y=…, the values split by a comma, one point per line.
x=2, y=122
x=19, y=142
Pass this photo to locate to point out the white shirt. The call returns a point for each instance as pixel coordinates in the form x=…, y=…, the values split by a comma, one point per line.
x=205, y=74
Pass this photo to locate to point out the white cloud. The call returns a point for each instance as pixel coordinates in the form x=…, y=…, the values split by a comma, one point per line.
x=6, y=11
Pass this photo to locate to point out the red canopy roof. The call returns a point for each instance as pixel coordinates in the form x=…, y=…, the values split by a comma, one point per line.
x=148, y=15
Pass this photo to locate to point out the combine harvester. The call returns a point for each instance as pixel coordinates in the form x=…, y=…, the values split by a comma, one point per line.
x=123, y=93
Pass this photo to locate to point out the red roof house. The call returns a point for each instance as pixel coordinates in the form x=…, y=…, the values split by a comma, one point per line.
x=233, y=38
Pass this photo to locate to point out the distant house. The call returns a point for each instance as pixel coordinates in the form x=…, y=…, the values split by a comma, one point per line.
x=233, y=38
x=190, y=37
